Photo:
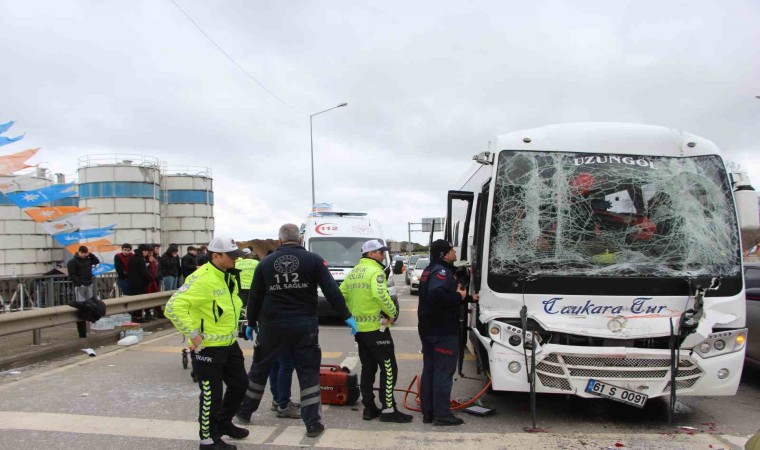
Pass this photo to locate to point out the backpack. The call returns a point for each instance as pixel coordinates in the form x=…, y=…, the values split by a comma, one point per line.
x=91, y=309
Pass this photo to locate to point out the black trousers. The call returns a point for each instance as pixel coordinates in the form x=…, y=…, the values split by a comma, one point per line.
x=376, y=350
x=214, y=367
x=439, y=362
x=303, y=342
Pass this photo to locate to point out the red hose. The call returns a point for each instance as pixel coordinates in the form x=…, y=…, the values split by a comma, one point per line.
x=455, y=405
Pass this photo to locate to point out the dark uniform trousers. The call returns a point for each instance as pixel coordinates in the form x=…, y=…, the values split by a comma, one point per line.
x=302, y=340
x=439, y=362
x=376, y=350
x=214, y=367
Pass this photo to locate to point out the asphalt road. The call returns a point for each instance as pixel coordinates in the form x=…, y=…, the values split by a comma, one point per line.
x=140, y=397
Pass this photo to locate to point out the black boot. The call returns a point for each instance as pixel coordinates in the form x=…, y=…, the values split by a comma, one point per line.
x=396, y=416
x=447, y=421
x=234, y=431
x=314, y=430
x=218, y=445
x=370, y=412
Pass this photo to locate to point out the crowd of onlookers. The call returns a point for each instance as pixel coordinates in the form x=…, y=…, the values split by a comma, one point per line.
x=147, y=270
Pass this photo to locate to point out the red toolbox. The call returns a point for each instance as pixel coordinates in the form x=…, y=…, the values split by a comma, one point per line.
x=338, y=385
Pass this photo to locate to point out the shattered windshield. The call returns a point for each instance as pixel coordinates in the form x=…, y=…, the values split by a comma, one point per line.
x=567, y=214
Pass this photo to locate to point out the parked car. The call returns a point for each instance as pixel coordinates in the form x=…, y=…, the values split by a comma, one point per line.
x=410, y=262
x=752, y=293
x=416, y=273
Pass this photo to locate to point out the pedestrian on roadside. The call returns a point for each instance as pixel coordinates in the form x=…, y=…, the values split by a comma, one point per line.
x=80, y=274
x=168, y=268
x=438, y=318
x=282, y=309
x=189, y=262
x=155, y=274
x=206, y=311
x=121, y=264
x=203, y=255
x=366, y=291
x=139, y=278
x=153, y=284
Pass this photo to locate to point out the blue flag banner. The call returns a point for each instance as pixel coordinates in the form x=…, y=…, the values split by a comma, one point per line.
x=69, y=238
x=6, y=140
x=102, y=268
x=5, y=126
x=25, y=199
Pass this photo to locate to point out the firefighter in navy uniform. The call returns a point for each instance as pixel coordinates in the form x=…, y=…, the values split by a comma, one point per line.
x=282, y=310
x=438, y=317
x=206, y=311
x=366, y=291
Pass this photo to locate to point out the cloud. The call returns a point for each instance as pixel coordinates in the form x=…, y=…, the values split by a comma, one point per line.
x=428, y=85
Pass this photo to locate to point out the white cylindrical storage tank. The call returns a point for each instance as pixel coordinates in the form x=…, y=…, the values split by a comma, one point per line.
x=25, y=247
x=122, y=190
x=188, y=198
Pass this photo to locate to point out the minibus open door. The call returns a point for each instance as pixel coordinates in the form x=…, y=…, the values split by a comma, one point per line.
x=464, y=280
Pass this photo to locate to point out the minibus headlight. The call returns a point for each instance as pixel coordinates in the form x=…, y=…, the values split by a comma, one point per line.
x=722, y=343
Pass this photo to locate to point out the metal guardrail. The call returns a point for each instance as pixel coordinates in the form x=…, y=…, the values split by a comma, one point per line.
x=37, y=319
x=22, y=293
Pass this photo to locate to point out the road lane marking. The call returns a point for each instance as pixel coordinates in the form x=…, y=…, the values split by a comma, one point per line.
x=397, y=440
x=116, y=426
x=338, y=438
x=290, y=437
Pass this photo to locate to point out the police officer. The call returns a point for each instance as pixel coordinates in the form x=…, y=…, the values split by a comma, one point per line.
x=283, y=306
x=206, y=310
x=438, y=317
x=366, y=291
x=246, y=265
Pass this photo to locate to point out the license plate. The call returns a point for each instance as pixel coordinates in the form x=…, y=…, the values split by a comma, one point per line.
x=616, y=393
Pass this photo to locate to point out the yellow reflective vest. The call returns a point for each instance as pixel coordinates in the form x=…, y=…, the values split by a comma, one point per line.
x=366, y=292
x=246, y=267
x=208, y=303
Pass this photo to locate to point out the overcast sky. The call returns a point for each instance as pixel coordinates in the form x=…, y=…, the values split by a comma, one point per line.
x=428, y=84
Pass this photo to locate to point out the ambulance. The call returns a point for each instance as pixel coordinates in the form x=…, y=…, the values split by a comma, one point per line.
x=338, y=237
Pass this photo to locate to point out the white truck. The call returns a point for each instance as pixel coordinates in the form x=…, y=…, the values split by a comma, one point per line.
x=607, y=258
x=338, y=237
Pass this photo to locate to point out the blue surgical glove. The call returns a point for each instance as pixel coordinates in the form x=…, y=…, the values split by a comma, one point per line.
x=351, y=322
x=249, y=332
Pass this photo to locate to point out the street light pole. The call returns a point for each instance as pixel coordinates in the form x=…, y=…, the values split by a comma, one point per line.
x=311, y=139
